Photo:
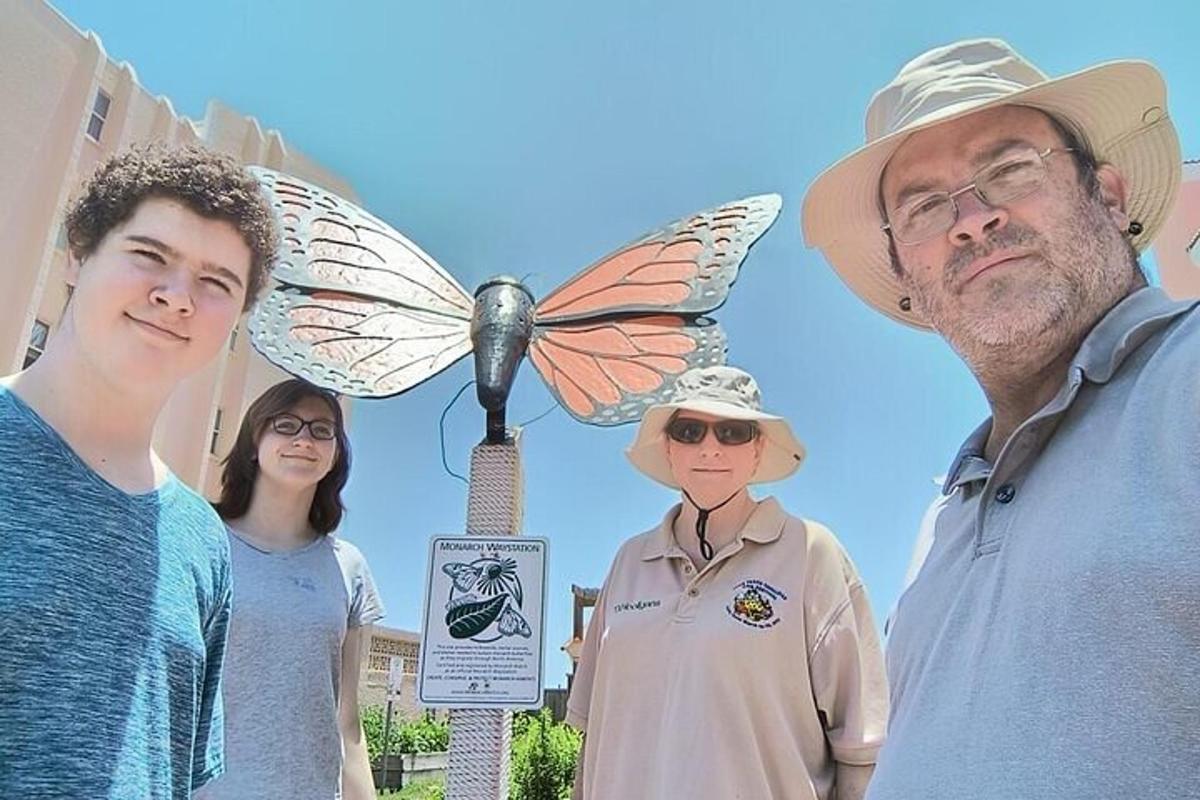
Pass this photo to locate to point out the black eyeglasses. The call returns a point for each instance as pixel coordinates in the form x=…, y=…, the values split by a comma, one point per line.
x=291, y=425
x=687, y=430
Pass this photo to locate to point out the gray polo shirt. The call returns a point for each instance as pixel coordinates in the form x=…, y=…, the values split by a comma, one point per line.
x=1049, y=646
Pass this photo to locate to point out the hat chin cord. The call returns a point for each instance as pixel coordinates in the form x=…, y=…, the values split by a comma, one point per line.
x=706, y=548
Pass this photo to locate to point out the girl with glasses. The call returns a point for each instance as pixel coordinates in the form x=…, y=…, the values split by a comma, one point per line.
x=732, y=651
x=303, y=601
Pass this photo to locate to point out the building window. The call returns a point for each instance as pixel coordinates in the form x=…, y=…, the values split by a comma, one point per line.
x=99, y=115
x=216, y=433
x=37, y=342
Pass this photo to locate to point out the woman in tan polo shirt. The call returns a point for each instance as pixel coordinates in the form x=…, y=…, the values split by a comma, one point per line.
x=732, y=652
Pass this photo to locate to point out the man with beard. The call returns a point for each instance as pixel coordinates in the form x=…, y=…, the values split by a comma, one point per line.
x=1047, y=647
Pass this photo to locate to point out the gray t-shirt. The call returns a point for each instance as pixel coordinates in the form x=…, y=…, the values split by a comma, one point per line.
x=291, y=612
x=1049, y=646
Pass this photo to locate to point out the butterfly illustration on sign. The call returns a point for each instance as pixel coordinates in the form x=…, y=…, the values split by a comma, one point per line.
x=359, y=309
x=484, y=592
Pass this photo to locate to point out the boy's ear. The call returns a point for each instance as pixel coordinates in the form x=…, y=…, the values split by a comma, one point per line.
x=73, y=265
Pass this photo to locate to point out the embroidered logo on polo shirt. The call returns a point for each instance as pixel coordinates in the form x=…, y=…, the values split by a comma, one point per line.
x=639, y=605
x=754, y=604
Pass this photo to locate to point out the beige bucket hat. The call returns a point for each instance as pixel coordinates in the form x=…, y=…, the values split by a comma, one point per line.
x=1118, y=108
x=725, y=392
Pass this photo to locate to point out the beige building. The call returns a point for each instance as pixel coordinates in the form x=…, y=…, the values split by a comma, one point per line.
x=1177, y=246
x=386, y=644
x=67, y=106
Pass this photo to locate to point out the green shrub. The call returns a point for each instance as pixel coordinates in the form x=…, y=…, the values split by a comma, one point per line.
x=422, y=790
x=543, y=753
x=424, y=735
x=543, y=757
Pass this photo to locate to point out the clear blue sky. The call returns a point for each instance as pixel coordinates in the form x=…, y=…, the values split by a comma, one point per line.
x=535, y=137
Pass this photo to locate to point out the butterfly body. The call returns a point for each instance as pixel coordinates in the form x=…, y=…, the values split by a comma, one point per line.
x=501, y=327
x=358, y=308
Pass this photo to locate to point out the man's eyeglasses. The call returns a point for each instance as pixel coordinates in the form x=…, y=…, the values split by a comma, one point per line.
x=291, y=425
x=931, y=214
x=687, y=430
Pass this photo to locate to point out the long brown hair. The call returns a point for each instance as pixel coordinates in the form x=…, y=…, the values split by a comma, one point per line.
x=241, y=465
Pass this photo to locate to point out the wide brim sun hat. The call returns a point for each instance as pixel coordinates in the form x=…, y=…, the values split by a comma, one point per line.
x=1119, y=109
x=727, y=393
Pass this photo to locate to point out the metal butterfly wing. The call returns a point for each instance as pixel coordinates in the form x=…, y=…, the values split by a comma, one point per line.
x=610, y=341
x=358, y=308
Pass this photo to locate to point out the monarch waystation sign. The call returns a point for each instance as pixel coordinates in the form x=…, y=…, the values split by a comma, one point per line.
x=483, y=629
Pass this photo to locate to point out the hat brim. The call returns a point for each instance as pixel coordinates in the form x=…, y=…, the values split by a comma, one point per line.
x=781, y=456
x=1119, y=108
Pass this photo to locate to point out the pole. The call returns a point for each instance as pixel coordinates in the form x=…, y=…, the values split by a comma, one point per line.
x=387, y=735
x=480, y=739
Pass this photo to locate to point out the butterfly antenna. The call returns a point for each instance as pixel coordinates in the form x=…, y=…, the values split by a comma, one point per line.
x=525, y=278
x=442, y=431
x=529, y=422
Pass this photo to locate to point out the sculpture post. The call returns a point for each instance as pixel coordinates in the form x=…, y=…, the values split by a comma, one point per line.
x=480, y=739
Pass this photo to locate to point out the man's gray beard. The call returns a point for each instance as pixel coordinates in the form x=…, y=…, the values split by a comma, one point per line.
x=1060, y=303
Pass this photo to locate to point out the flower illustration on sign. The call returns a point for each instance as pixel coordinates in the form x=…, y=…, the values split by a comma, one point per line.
x=485, y=600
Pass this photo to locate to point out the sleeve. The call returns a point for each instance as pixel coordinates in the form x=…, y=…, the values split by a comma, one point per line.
x=845, y=657
x=365, y=604
x=208, y=748
x=580, y=700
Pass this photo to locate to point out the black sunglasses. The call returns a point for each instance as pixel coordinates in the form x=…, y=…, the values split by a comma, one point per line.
x=291, y=425
x=687, y=430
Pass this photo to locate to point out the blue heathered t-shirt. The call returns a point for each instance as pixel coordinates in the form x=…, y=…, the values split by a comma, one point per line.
x=113, y=616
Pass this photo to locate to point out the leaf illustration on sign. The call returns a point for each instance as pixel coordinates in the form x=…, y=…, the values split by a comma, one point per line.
x=461, y=601
x=472, y=619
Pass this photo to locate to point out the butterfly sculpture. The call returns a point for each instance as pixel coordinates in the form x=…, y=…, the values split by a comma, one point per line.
x=359, y=309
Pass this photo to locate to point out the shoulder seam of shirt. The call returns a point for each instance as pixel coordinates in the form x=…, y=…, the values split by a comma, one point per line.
x=846, y=603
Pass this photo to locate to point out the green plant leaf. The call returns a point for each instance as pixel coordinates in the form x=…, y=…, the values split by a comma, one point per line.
x=472, y=619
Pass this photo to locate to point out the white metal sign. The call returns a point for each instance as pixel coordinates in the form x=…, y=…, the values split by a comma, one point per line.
x=395, y=675
x=483, y=631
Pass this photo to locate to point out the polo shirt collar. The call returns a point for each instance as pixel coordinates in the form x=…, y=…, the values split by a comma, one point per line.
x=764, y=526
x=1120, y=332
x=969, y=465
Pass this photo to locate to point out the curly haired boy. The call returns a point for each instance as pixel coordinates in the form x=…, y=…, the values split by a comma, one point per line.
x=114, y=585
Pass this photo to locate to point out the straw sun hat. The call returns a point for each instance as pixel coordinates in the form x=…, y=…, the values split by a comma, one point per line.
x=1118, y=108
x=727, y=393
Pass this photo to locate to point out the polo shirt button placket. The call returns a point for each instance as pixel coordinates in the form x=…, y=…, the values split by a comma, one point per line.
x=1006, y=493
x=685, y=609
